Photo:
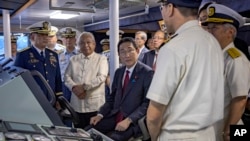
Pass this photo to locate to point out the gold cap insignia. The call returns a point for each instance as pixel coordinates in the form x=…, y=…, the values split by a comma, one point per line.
x=46, y=25
x=211, y=11
x=13, y=39
x=68, y=30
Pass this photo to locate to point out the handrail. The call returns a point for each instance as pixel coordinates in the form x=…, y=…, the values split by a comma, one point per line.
x=52, y=99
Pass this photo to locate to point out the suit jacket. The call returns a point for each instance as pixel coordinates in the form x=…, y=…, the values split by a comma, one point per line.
x=148, y=58
x=133, y=103
x=143, y=51
x=30, y=59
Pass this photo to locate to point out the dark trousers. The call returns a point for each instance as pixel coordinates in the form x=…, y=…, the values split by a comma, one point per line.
x=107, y=127
x=84, y=119
x=66, y=92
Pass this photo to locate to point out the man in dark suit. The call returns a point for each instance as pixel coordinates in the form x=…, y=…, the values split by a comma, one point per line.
x=140, y=40
x=127, y=103
x=41, y=59
x=150, y=57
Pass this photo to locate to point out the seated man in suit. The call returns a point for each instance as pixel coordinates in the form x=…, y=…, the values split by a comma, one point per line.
x=127, y=103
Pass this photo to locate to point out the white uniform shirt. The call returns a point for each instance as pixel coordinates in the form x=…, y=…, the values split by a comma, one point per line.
x=237, y=76
x=91, y=71
x=190, y=80
x=64, y=60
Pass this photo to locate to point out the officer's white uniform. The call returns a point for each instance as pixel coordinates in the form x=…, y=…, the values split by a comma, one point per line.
x=237, y=74
x=64, y=57
x=236, y=65
x=190, y=82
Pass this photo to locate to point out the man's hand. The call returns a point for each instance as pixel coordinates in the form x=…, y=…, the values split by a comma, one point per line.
x=58, y=106
x=94, y=120
x=123, y=125
x=79, y=91
x=226, y=136
x=81, y=95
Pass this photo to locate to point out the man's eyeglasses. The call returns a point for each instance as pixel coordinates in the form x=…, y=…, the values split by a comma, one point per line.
x=214, y=26
x=159, y=38
x=125, y=52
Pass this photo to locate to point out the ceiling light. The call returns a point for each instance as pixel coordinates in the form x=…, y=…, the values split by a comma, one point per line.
x=63, y=15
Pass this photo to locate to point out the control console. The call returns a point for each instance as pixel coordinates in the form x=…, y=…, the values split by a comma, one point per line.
x=15, y=131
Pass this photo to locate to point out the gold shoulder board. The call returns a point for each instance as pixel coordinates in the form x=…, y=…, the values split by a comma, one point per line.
x=233, y=52
x=23, y=49
x=59, y=51
x=62, y=46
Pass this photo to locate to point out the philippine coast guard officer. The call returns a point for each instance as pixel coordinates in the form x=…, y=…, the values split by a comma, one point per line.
x=52, y=44
x=223, y=23
x=41, y=59
x=69, y=36
x=120, y=33
x=105, y=48
x=13, y=46
x=120, y=36
x=106, y=52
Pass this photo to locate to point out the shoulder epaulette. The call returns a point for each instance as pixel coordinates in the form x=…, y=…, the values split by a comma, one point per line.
x=59, y=51
x=233, y=52
x=23, y=49
x=62, y=46
x=106, y=51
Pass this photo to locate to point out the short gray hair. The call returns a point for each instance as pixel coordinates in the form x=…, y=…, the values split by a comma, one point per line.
x=88, y=34
x=144, y=34
x=228, y=25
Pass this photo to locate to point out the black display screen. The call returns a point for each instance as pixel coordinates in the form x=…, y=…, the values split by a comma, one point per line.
x=22, y=127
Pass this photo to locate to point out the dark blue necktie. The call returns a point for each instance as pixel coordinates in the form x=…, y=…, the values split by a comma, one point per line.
x=42, y=56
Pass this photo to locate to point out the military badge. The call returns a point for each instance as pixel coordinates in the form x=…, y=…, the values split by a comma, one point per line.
x=211, y=11
x=52, y=60
x=45, y=25
x=68, y=30
x=31, y=55
x=32, y=59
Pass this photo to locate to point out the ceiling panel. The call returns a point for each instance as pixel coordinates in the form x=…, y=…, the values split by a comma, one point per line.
x=40, y=11
x=11, y=5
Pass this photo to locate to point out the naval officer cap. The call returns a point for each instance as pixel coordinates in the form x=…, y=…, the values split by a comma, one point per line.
x=183, y=3
x=104, y=42
x=68, y=32
x=218, y=13
x=13, y=39
x=120, y=32
x=42, y=27
x=53, y=31
x=204, y=6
